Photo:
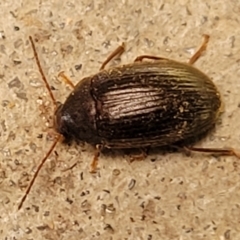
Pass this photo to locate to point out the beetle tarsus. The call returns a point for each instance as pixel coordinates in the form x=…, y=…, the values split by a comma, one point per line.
x=140, y=58
x=219, y=151
x=139, y=157
x=199, y=52
x=117, y=52
x=95, y=159
x=66, y=79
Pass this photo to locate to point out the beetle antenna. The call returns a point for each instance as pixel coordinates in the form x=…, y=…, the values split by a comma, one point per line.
x=38, y=170
x=41, y=71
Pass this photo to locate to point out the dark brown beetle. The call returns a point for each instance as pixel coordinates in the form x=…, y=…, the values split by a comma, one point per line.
x=139, y=105
x=143, y=104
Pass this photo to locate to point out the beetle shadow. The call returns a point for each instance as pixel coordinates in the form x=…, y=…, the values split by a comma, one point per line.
x=152, y=152
x=136, y=154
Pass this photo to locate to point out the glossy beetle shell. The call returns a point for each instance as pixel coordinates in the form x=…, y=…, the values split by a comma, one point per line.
x=141, y=104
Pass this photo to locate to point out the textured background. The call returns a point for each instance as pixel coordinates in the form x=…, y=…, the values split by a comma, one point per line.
x=175, y=196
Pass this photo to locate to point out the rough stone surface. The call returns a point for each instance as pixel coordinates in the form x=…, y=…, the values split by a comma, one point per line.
x=166, y=196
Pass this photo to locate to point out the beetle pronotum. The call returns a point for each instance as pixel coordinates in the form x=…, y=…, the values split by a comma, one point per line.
x=142, y=104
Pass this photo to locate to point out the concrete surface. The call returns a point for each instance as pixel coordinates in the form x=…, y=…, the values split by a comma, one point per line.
x=166, y=196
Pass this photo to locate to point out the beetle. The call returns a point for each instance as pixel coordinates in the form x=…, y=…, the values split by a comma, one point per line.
x=142, y=104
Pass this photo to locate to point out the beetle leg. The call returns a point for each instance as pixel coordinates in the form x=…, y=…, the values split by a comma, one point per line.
x=117, y=52
x=71, y=167
x=229, y=151
x=141, y=156
x=192, y=60
x=95, y=159
x=140, y=58
x=199, y=52
x=66, y=79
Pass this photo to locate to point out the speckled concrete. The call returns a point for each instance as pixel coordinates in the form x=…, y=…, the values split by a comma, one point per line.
x=167, y=196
